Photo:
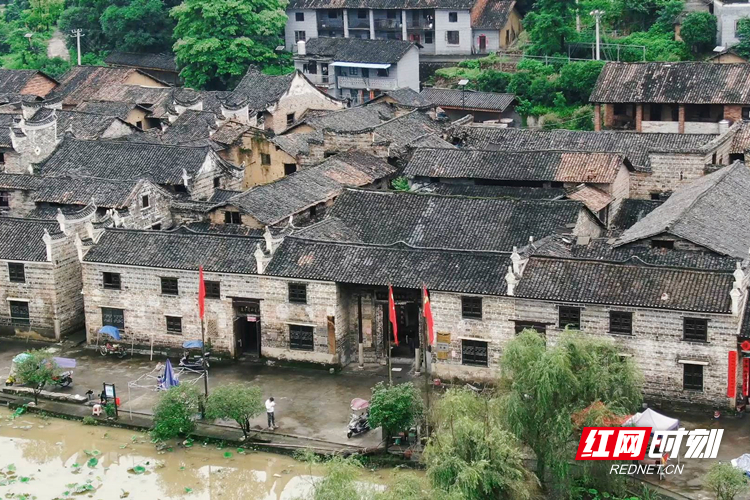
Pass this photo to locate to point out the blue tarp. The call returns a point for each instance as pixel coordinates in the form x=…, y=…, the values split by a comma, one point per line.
x=21, y=357
x=66, y=363
x=192, y=344
x=112, y=331
x=169, y=380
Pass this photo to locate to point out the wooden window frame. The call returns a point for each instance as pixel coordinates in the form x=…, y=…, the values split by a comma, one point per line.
x=213, y=289
x=478, y=352
x=166, y=286
x=297, y=293
x=16, y=272
x=692, y=325
x=566, y=312
x=113, y=283
x=19, y=320
x=176, y=324
x=109, y=312
x=469, y=309
x=692, y=385
x=621, y=322
x=298, y=338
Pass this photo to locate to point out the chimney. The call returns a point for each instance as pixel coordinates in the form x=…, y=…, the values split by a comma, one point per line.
x=512, y=281
x=301, y=50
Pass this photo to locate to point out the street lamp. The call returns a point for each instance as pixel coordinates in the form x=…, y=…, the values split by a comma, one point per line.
x=598, y=16
x=463, y=83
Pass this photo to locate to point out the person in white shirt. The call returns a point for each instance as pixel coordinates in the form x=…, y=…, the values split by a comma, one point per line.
x=270, y=405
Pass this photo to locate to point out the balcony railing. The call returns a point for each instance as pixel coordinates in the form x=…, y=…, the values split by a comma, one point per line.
x=355, y=82
x=357, y=23
x=328, y=23
x=387, y=24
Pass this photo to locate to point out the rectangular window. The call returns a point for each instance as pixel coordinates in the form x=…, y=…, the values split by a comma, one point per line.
x=621, y=322
x=452, y=17
x=695, y=329
x=232, y=218
x=111, y=281
x=746, y=113
x=362, y=14
x=312, y=67
x=570, y=317
x=4, y=199
x=19, y=313
x=156, y=227
x=428, y=37
x=290, y=168
x=662, y=244
x=452, y=37
x=354, y=71
x=298, y=293
x=16, y=272
x=383, y=72
x=299, y=36
x=299, y=16
x=213, y=289
x=265, y=159
x=144, y=201
x=365, y=72
x=169, y=286
x=174, y=324
x=301, y=338
x=540, y=328
x=471, y=307
x=2, y=157
x=217, y=182
x=692, y=378
x=113, y=317
x=289, y=119
x=473, y=352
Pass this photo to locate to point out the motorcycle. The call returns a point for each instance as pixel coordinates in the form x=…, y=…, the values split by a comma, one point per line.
x=63, y=379
x=116, y=349
x=197, y=363
x=360, y=420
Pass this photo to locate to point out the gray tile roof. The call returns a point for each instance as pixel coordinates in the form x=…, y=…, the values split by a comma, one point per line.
x=673, y=82
x=556, y=166
x=448, y=222
x=491, y=14
x=258, y=90
x=191, y=128
x=469, y=99
x=631, y=211
x=83, y=83
x=12, y=81
x=123, y=160
x=274, y=202
x=23, y=182
x=156, y=99
x=480, y=191
x=636, y=146
x=221, y=195
x=397, y=265
x=741, y=139
x=164, y=62
x=6, y=122
x=712, y=212
x=21, y=239
x=180, y=248
x=86, y=125
x=103, y=193
x=407, y=97
x=230, y=131
x=107, y=108
x=350, y=120
x=414, y=129
x=357, y=50
x=380, y=4
x=231, y=229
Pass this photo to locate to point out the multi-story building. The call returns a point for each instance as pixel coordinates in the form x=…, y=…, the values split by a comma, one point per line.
x=728, y=13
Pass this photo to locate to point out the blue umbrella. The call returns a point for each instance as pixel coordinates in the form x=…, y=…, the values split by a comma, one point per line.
x=169, y=379
x=192, y=344
x=112, y=331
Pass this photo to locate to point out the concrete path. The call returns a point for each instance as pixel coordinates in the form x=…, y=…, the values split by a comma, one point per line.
x=56, y=46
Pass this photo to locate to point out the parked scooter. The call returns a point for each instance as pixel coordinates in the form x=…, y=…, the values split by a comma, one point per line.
x=116, y=349
x=197, y=363
x=360, y=421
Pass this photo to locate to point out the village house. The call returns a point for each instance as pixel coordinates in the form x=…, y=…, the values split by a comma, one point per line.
x=600, y=180
x=672, y=97
x=727, y=56
x=131, y=113
x=163, y=67
x=404, y=98
x=19, y=82
x=40, y=278
x=440, y=27
x=491, y=107
x=356, y=69
x=728, y=13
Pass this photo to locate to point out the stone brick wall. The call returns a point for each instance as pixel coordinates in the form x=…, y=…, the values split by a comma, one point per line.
x=67, y=286
x=669, y=171
x=301, y=96
x=20, y=203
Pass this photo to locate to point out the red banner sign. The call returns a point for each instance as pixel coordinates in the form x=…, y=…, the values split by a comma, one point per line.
x=745, y=375
x=732, y=375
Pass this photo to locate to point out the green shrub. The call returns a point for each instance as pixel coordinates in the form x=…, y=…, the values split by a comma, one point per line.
x=89, y=420
x=173, y=414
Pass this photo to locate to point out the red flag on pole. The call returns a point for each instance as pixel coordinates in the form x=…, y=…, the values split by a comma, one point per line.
x=201, y=293
x=392, y=314
x=427, y=313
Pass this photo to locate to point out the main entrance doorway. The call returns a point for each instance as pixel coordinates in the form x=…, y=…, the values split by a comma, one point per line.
x=246, y=326
x=407, y=318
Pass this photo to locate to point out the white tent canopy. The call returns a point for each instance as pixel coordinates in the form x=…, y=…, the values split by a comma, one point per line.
x=656, y=421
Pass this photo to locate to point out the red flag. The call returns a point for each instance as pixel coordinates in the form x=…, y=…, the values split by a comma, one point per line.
x=427, y=313
x=201, y=293
x=392, y=314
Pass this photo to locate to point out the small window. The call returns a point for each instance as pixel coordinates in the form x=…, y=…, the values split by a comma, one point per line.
x=111, y=281
x=213, y=289
x=298, y=293
x=471, y=307
x=539, y=328
x=452, y=17
x=662, y=244
x=655, y=196
x=16, y=272
x=312, y=68
x=19, y=313
x=174, y=324
x=695, y=329
x=4, y=199
x=265, y=159
x=2, y=157
x=113, y=317
x=169, y=286
x=299, y=36
x=217, y=182
x=383, y=72
x=299, y=16
x=692, y=378
x=354, y=71
x=452, y=37
x=156, y=227
x=301, y=338
x=289, y=118
x=428, y=37
x=232, y=218
x=365, y=72
x=144, y=201
x=570, y=317
x=290, y=168
x=621, y=322
x=473, y=352
x=746, y=113
x=313, y=211
x=361, y=14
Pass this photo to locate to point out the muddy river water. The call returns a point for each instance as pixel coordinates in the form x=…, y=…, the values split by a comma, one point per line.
x=49, y=458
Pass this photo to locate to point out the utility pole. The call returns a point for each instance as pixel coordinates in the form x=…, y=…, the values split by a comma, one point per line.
x=598, y=16
x=78, y=33
x=578, y=19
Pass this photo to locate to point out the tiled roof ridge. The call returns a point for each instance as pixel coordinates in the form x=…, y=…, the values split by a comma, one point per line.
x=26, y=219
x=626, y=263
x=183, y=231
x=141, y=144
x=437, y=195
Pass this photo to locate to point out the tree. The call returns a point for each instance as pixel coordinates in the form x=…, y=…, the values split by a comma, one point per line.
x=395, y=408
x=470, y=455
x=577, y=80
x=726, y=481
x=743, y=34
x=85, y=15
x=174, y=413
x=37, y=370
x=237, y=402
x=699, y=31
x=493, y=81
x=547, y=385
x=218, y=39
x=139, y=26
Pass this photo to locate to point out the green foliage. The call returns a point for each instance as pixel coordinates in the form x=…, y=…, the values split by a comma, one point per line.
x=139, y=26
x=569, y=118
x=743, y=34
x=37, y=370
x=577, y=80
x=547, y=385
x=400, y=184
x=659, y=47
x=726, y=481
x=173, y=414
x=493, y=81
x=339, y=482
x=699, y=31
x=238, y=402
x=395, y=408
x=86, y=15
x=89, y=420
x=218, y=39
x=547, y=32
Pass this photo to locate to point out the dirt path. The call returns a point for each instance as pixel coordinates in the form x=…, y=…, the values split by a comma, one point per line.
x=56, y=46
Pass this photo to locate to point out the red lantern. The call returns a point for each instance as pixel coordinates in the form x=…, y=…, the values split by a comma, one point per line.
x=745, y=346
